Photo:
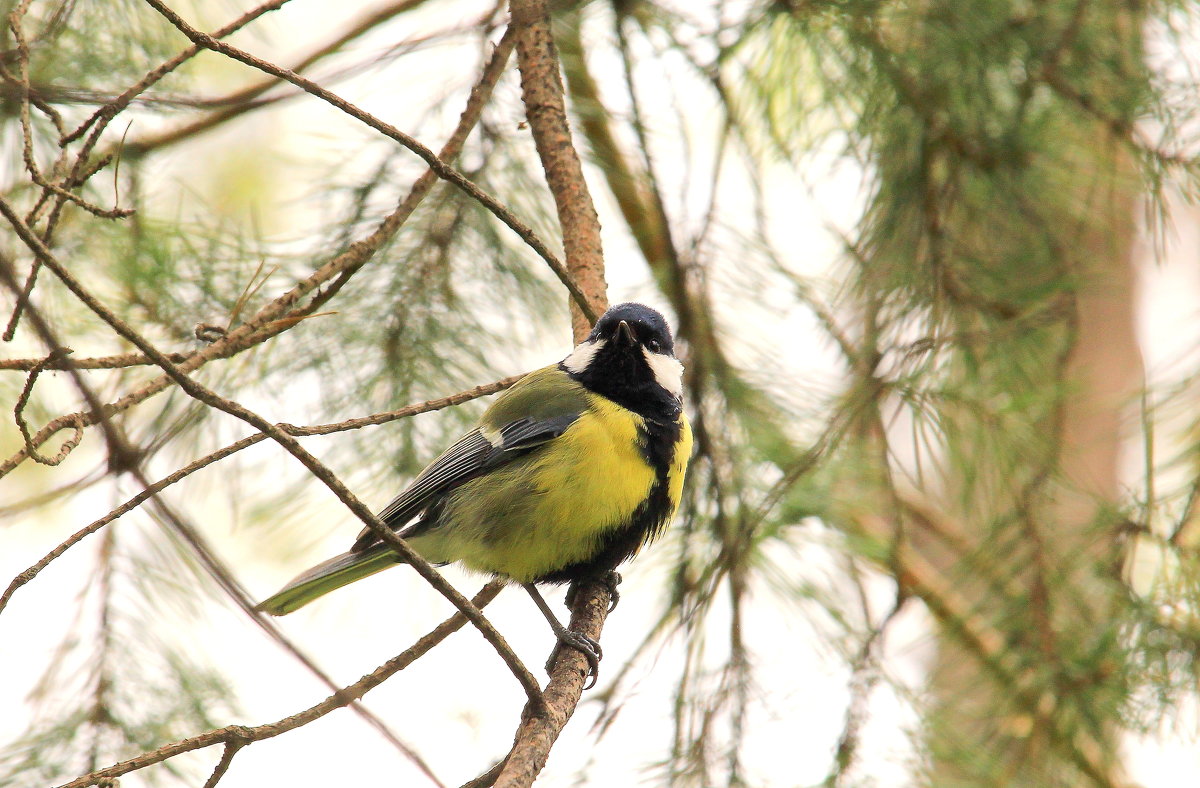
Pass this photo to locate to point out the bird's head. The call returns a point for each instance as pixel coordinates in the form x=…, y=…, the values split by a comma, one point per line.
x=630, y=358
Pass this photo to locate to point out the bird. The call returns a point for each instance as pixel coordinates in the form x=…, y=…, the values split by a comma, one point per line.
x=567, y=474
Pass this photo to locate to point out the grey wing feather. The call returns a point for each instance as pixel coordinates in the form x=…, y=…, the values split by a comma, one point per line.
x=527, y=433
x=464, y=457
x=472, y=455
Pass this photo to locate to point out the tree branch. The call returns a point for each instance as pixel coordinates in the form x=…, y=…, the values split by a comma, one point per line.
x=220, y=454
x=237, y=736
x=231, y=749
x=238, y=103
x=443, y=170
x=542, y=92
x=540, y=727
x=118, y=361
x=273, y=318
x=101, y=117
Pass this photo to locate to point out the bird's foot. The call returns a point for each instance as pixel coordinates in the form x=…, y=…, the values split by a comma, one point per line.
x=589, y=648
x=609, y=580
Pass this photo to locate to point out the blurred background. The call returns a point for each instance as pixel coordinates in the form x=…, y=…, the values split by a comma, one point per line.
x=933, y=266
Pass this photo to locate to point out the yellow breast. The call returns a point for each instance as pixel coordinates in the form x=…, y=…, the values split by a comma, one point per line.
x=550, y=508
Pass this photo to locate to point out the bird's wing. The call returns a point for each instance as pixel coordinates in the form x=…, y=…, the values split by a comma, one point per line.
x=471, y=456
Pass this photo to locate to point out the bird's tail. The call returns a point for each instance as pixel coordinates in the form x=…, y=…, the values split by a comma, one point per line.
x=326, y=576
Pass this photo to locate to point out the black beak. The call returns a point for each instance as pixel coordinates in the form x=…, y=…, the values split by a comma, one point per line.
x=625, y=334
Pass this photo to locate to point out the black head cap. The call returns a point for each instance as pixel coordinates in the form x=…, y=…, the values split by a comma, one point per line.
x=644, y=326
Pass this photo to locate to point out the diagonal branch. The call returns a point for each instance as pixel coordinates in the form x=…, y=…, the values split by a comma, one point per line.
x=238, y=103
x=100, y=118
x=237, y=736
x=443, y=170
x=278, y=315
x=226, y=451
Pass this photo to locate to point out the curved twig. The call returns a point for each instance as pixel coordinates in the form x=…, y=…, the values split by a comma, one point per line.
x=272, y=318
x=237, y=736
x=220, y=454
x=443, y=170
x=55, y=357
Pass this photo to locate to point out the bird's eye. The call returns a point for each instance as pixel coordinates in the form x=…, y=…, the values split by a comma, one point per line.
x=654, y=345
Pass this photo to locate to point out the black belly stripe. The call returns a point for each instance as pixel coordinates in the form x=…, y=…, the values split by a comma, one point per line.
x=658, y=442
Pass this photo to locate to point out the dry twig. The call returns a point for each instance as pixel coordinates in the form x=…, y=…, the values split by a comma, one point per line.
x=237, y=736
x=324, y=429
x=443, y=170
x=271, y=319
x=85, y=166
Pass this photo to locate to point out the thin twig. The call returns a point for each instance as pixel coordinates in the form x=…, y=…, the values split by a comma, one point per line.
x=192, y=537
x=864, y=675
x=119, y=361
x=238, y=103
x=102, y=116
x=22, y=55
x=55, y=357
x=450, y=151
x=231, y=749
x=322, y=429
x=271, y=319
x=121, y=456
x=84, y=168
x=443, y=170
x=242, y=735
x=203, y=394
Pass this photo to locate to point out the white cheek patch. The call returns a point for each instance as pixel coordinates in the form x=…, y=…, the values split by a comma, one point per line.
x=582, y=355
x=667, y=371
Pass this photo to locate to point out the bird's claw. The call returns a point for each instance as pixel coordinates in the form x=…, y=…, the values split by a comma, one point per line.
x=589, y=648
x=611, y=580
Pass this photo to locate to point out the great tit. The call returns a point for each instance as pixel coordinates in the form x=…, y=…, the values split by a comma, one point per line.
x=568, y=474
